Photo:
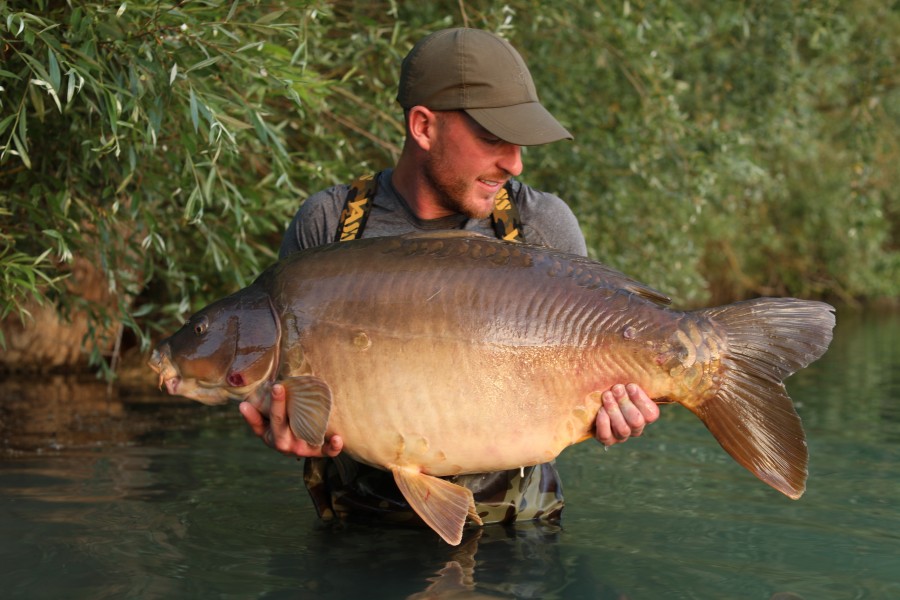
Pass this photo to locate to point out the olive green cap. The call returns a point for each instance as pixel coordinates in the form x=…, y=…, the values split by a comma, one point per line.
x=482, y=74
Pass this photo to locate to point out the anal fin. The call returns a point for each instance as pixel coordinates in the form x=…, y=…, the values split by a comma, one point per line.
x=443, y=506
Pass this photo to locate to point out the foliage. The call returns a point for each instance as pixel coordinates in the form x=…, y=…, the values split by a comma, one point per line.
x=732, y=149
x=722, y=150
x=148, y=138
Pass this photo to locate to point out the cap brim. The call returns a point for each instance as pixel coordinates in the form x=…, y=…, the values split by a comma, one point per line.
x=528, y=124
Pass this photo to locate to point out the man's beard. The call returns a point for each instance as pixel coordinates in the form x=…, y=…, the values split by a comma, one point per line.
x=451, y=191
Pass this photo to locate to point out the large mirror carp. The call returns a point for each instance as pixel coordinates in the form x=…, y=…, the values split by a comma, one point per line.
x=435, y=355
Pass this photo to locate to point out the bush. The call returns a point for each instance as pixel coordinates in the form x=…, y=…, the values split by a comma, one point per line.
x=151, y=139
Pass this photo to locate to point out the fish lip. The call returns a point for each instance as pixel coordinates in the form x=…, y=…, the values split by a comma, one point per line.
x=156, y=361
x=171, y=384
x=168, y=374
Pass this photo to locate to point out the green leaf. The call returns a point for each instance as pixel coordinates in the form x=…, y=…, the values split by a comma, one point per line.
x=6, y=122
x=269, y=18
x=234, y=123
x=75, y=81
x=49, y=88
x=195, y=111
x=231, y=10
x=55, y=77
x=259, y=126
x=36, y=67
x=21, y=149
x=112, y=110
x=205, y=63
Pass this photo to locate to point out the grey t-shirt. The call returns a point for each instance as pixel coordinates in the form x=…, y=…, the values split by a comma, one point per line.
x=546, y=219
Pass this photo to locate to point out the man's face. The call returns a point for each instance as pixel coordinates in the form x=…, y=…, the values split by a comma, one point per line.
x=467, y=165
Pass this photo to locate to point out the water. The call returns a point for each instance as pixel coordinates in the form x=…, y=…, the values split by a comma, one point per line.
x=139, y=496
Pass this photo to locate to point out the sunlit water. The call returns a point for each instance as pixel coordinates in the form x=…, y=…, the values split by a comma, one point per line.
x=139, y=497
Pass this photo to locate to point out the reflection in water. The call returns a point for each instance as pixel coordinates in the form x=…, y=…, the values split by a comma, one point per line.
x=512, y=562
x=457, y=578
x=57, y=411
x=361, y=561
x=54, y=412
x=138, y=496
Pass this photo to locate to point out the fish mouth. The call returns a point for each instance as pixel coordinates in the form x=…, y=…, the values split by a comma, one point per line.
x=171, y=384
x=175, y=384
x=168, y=374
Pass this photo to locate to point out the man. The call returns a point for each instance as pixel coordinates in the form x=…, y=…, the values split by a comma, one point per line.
x=469, y=104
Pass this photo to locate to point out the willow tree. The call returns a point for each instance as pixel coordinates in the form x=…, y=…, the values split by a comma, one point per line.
x=140, y=143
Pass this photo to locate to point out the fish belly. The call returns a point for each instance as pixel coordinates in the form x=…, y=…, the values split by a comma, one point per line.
x=451, y=408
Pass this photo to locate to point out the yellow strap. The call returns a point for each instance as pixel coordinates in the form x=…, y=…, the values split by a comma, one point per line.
x=357, y=208
x=504, y=218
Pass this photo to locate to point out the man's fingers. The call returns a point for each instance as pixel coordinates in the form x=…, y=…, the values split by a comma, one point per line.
x=279, y=434
x=278, y=408
x=603, y=432
x=333, y=446
x=610, y=424
x=633, y=419
x=621, y=412
x=649, y=409
x=253, y=417
x=275, y=431
x=624, y=412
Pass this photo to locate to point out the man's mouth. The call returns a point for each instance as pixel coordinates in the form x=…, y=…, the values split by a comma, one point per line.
x=492, y=183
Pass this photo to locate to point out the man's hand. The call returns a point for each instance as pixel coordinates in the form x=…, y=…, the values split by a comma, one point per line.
x=625, y=412
x=276, y=433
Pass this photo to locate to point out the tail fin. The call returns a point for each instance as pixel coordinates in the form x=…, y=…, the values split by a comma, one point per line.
x=751, y=415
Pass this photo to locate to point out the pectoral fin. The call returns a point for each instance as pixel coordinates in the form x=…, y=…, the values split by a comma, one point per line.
x=443, y=506
x=308, y=406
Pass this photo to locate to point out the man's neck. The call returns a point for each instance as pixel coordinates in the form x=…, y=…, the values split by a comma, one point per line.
x=421, y=198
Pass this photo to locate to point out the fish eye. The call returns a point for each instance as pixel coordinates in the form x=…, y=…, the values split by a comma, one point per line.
x=201, y=325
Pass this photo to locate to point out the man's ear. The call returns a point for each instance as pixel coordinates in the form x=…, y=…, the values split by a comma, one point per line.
x=422, y=125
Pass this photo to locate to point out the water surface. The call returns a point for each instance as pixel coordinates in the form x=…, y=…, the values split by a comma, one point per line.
x=136, y=495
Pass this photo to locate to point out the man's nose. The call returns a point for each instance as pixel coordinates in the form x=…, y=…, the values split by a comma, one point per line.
x=511, y=160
